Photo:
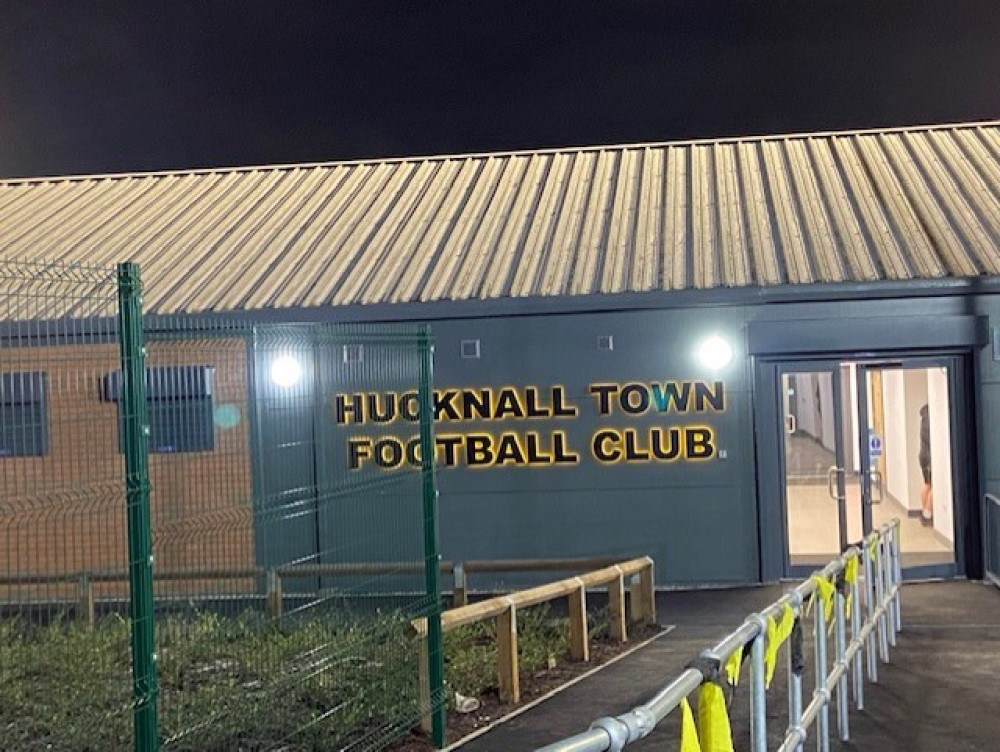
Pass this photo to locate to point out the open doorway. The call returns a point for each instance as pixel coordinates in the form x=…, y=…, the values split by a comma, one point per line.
x=864, y=443
x=910, y=428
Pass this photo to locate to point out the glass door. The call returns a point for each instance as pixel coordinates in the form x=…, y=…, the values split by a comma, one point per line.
x=905, y=449
x=814, y=466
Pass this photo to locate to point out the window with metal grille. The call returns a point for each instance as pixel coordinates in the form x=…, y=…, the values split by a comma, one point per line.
x=178, y=407
x=23, y=414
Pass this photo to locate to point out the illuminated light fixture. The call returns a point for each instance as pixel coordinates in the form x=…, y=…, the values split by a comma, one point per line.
x=715, y=352
x=286, y=371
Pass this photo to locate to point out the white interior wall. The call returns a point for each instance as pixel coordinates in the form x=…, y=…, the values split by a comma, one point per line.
x=915, y=381
x=828, y=436
x=854, y=452
x=896, y=413
x=940, y=429
x=805, y=404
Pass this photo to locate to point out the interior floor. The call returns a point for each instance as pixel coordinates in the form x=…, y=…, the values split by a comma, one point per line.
x=813, y=526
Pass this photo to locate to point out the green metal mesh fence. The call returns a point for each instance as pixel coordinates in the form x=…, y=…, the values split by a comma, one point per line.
x=65, y=669
x=273, y=475
x=287, y=576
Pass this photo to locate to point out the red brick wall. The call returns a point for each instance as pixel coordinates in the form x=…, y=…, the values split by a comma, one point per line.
x=65, y=512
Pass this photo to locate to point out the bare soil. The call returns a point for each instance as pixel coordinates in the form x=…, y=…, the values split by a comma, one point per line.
x=533, y=686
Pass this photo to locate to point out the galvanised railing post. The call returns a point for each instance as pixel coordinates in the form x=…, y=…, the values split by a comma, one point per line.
x=432, y=555
x=890, y=578
x=821, y=692
x=880, y=601
x=758, y=694
x=135, y=436
x=840, y=634
x=859, y=677
x=795, y=676
x=870, y=610
x=897, y=559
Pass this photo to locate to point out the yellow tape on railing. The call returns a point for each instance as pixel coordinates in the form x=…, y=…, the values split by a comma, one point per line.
x=777, y=633
x=713, y=720
x=733, y=667
x=851, y=570
x=689, y=732
x=826, y=591
x=713, y=732
x=850, y=577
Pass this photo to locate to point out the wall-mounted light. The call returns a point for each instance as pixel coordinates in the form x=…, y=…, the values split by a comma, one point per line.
x=715, y=352
x=286, y=371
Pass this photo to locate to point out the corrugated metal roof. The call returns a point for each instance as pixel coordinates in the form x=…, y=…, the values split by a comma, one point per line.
x=920, y=203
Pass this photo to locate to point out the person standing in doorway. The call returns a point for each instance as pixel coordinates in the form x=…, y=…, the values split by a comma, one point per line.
x=924, y=457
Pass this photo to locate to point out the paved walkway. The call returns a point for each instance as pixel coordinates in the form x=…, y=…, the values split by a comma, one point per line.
x=941, y=691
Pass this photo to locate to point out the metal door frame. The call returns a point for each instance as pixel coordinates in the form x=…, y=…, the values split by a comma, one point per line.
x=833, y=368
x=957, y=430
x=771, y=468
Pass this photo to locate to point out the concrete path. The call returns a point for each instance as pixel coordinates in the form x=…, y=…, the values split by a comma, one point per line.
x=940, y=692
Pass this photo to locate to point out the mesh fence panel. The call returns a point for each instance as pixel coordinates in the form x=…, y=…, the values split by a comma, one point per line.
x=65, y=669
x=290, y=525
x=287, y=576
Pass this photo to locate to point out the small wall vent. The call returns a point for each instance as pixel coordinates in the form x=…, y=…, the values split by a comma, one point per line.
x=606, y=342
x=354, y=353
x=470, y=348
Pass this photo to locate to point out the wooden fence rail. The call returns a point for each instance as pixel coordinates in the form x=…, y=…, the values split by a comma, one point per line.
x=503, y=609
x=274, y=576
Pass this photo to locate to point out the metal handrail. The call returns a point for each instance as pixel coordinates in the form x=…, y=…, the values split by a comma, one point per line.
x=992, y=533
x=879, y=553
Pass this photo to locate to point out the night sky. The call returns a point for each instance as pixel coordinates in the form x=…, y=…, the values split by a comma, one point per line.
x=119, y=86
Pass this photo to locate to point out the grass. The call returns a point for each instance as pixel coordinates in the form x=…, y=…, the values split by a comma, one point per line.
x=542, y=639
x=243, y=684
x=225, y=684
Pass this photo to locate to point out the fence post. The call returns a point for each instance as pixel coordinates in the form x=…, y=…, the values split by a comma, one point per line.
x=85, y=600
x=644, y=597
x=135, y=436
x=432, y=555
x=507, y=665
x=579, y=649
x=424, y=670
x=616, y=608
x=274, y=597
x=460, y=593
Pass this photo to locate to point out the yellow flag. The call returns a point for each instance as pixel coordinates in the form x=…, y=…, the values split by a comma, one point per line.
x=826, y=591
x=733, y=667
x=777, y=633
x=713, y=720
x=851, y=570
x=689, y=733
x=850, y=577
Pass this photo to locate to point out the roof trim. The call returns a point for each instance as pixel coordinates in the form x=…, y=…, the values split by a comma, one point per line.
x=517, y=153
x=609, y=303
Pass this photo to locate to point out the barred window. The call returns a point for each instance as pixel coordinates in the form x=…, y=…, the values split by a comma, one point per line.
x=178, y=407
x=23, y=414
